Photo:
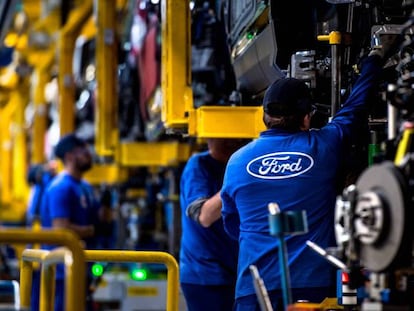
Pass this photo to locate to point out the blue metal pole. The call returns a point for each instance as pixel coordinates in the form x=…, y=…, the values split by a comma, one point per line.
x=284, y=272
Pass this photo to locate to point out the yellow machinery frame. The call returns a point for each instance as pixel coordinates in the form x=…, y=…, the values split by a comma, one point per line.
x=178, y=110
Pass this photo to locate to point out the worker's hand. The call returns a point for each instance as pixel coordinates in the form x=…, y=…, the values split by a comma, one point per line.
x=389, y=45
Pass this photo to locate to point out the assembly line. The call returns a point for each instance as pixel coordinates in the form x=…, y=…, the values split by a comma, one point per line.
x=217, y=155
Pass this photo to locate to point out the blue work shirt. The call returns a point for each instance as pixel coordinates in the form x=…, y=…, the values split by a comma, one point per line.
x=298, y=171
x=67, y=197
x=36, y=195
x=207, y=255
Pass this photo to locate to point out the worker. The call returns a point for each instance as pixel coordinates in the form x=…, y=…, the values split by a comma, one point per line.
x=69, y=201
x=208, y=257
x=297, y=168
x=38, y=178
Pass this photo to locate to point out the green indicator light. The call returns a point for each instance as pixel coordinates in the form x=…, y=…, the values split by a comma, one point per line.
x=97, y=269
x=249, y=35
x=139, y=274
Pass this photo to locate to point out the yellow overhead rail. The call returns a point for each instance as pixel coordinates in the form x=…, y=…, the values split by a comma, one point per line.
x=106, y=174
x=152, y=153
x=226, y=121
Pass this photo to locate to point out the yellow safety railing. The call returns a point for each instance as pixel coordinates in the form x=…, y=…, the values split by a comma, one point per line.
x=48, y=260
x=26, y=269
x=75, y=283
x=145, y=256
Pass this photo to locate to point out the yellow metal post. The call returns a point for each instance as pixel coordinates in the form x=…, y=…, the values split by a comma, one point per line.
x=29, y=256
x=106, y=126
x=20, y=188
x=42, y=59
x=47, y=288
x=6, y=114
x=176, y=63
x=145, y=256
x=76, y=288
x=40, y=116
x=26, y=269
x=404, y=145
x=68, y=36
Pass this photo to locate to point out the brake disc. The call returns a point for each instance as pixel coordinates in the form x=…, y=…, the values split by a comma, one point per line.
x=381, y=218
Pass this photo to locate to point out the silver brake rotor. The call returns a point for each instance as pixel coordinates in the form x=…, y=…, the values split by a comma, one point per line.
x=380, y=220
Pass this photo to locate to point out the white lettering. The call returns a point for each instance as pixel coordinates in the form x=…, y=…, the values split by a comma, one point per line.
x=280, y=165
x=274, y=165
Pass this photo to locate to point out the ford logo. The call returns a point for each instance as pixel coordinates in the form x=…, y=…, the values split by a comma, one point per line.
x=280, y=165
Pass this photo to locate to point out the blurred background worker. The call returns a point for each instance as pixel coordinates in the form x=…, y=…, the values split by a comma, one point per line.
x=69, y=201
x=38, y=178
x=297, y=168
x=208, y=257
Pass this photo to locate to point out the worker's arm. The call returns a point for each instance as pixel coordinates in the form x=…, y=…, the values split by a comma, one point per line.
x=210, y=211
x=205, y=211
x=82, y=231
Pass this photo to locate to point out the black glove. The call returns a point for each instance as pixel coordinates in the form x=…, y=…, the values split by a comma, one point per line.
x=194, y=209
x=389, y=45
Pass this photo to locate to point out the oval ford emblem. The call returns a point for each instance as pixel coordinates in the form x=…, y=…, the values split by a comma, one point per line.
x=280, y=165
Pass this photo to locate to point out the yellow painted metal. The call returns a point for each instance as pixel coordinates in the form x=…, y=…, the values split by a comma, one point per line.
x=152, y=153
x=6, y=114
x=89, y=30
x=32, y=8
x=75, y=289
x=106, y=174
x=334, y=37
x=47, y=288
x=68, y=35
x=9, y=78
x=176, y=63
x=106, y=111
x=29, y=257
x=404, y=146
x=43, y=60
x=37, y=145
x=134, y=193
x=226, y=121
x=26, y=270
x=145, y=256
x=20, y=188
x=47, y=281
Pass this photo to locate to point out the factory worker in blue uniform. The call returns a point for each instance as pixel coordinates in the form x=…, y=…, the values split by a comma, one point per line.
x=208, y=257
x=297, y=168
x=69, y=201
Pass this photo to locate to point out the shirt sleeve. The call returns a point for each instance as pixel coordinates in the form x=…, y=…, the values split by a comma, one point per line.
x=60, y=201
x=195, y=183
x=354, y=111
x=229, y=212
